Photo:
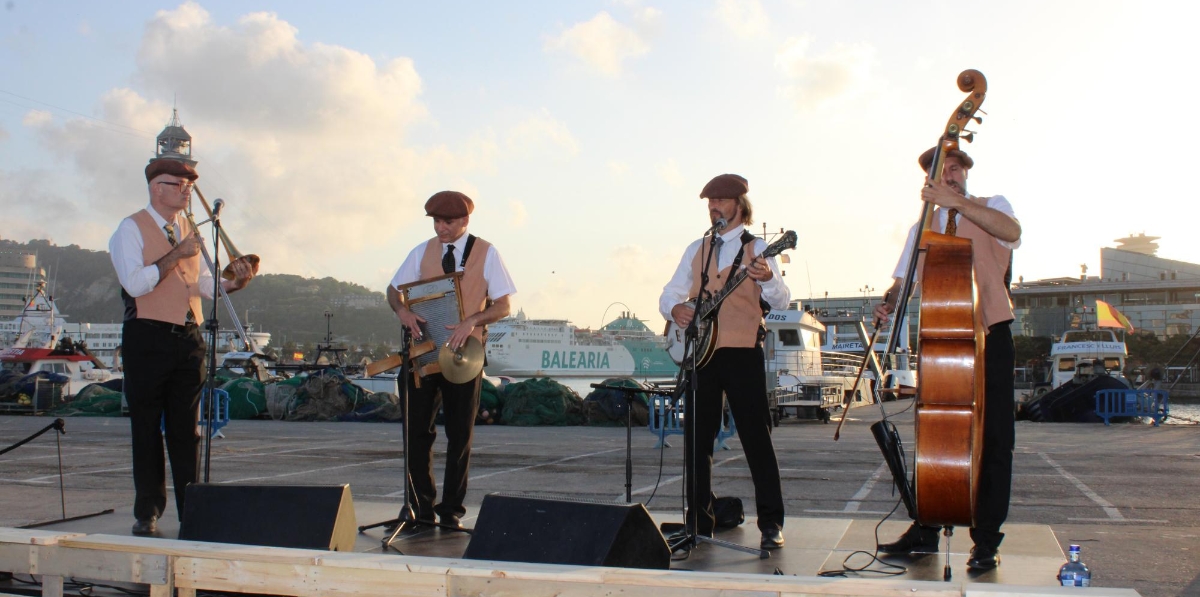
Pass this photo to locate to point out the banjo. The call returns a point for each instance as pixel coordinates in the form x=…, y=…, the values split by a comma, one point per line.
x=706, y=313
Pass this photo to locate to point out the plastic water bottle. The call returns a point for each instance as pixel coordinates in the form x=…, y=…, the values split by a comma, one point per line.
x=1074, y=573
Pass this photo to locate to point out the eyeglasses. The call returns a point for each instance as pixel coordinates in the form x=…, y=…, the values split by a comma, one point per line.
x=184, y=186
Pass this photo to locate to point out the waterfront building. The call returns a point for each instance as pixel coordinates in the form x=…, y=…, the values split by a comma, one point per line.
x=1157, y=295
x=19, y=276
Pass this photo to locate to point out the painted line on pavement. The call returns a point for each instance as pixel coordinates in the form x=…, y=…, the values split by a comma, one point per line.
x=315, y=470
x=1113, y=513
x=523, y=468
x=676, y=478
x=865, y=490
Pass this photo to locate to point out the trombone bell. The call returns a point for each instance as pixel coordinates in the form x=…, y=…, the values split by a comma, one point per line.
x=230, y=250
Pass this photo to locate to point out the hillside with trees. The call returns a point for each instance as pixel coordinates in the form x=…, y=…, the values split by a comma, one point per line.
x=292, y=308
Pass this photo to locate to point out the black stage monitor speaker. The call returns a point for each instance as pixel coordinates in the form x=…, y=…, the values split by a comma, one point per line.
x=300, y=516
x=551, y=531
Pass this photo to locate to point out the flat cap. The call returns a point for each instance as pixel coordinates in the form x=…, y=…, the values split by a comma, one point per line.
x=169, y=166
x=926, y=159
x=449, y=204
x=725, y=186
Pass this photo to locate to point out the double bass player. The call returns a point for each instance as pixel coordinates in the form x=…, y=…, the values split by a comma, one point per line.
x=995, y=232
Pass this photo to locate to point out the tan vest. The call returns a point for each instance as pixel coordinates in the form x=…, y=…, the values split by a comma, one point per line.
x=179, y=288
x=990, y=260
x=740, y=315
x=474, y=285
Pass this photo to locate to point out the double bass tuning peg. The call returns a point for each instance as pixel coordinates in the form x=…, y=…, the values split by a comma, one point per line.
x=968, y=137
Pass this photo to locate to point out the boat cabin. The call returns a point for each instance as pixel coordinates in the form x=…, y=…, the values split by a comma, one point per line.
x=1086, y=353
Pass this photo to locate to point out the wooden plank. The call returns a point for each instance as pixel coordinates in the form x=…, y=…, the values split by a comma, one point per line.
x=303, y=581
x=33, y=537
x=52, y=586
x=103, y=565
x=16, y=558
x=172, y=547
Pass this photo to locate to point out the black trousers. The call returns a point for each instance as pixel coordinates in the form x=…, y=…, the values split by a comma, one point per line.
x=999, y=438
x=460, y=401
x=164, y=373
x=738, y=373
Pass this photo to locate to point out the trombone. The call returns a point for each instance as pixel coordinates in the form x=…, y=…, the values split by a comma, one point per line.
x=230, y=251
x=227, y=273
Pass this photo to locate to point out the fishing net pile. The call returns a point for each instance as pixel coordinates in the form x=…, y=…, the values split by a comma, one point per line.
x=327, y=395
x=94, y=400
x=541, y=401
x=605, y=407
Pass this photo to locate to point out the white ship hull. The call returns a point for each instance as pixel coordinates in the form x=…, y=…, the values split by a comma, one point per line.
x=517, y=359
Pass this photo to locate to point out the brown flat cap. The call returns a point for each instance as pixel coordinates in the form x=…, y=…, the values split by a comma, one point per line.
x=725, y=186
x=169, y=166
x=926, y=159
x=449, y=204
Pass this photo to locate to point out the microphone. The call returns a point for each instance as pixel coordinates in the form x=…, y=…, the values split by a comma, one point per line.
x=217, y=205
x=719, y=225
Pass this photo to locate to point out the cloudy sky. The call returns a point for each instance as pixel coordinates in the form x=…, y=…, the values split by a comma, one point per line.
x=585, y=130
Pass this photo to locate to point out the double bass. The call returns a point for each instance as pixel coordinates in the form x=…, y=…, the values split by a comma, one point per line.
x=949, y=405
x=950, y=398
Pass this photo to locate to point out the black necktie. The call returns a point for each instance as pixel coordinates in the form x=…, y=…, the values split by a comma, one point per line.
x=448, y=260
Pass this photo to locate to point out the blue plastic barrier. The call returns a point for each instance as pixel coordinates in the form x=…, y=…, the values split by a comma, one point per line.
x=1133, y=403
x=666, y=418
x=222, y=414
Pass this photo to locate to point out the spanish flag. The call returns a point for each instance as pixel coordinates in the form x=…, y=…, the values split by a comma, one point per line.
x=1108, y=317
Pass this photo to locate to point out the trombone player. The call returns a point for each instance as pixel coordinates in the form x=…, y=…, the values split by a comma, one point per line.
x=156, y=254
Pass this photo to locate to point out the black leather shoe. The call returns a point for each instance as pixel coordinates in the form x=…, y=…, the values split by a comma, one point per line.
x=772, y=539
x=451, y=521
x=984, y=557
x=915, y=540
x=146, y=526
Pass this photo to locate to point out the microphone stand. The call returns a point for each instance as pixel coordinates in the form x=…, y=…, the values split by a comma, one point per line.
x=689, y=374
x=212, y=325
x=406, y=519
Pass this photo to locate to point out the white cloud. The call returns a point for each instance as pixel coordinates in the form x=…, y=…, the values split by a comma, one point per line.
x=602, y=43
x=517, y=214
x=669, y=172
x=808, y=80
x=301, y=138
x=618, y=168
x=542, y=131
x=36, y=118
x=746, y=18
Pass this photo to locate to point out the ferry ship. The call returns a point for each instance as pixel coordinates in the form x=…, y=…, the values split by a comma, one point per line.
x=521, y=347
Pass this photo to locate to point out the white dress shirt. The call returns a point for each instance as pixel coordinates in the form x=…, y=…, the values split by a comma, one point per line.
x=997, y=202
x=774, y=291
x=499, y=283
x=125, y=247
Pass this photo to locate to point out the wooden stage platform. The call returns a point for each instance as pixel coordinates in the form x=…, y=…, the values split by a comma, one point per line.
x=431, y=563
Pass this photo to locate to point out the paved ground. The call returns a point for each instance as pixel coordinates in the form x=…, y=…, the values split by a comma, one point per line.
x=1127, y=494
